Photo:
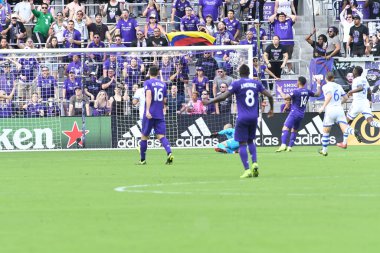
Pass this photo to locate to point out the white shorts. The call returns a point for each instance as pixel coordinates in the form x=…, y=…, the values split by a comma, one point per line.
x=362, y=107
x=334, y=115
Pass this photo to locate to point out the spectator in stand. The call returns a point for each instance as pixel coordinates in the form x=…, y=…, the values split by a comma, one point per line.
x=374, y=8
x=68, y=89
x=153, y=8
x=51, y=60
x=44, y=21
x=102, y=106
x=237, y=6
x=141, y=41
x=29, y=44
x=118, y=41
x=7, y=78
x=208, y=63
x=189, y=22
x=132, y=75
x=76, y=103
x=210, y=108
x=275, y=57
x=166, y=68
x=157, y=40
x=200, y=81
x=127, y=27
x=250, y=41
x=347, y=21
x=23, y=10
x=285, y=6
x=213, y=7
x=34, y=108
x=27, y=68
x=333, y=43
x=352, y=6
x=119, y=101
x=151, y=26
x=76, y=66
x=97, y=58
x=319, y=46
x=223, y=37
x=210, y=25
x=5, y=11
x=81, y=22
x=219, y=79
x=58, y=27
x=50, y=9
x=359, y=38
x=180, y=79
x=175, y=101
x=233, y=25
x=195, y=106
x=259, y=72
x=286, y=106
x=375, y=49
x=71, y=37
x=110, y=82
x=47, y=85
x=99, y=28
x=178, y=11
x=252, y=4
x=52, y=108
x=92, y=86
x=283, y=27
x=223, y=107
x=263, y=35
x=72, y=8
x=14, y=30
x=113, y=12
x=6, y=105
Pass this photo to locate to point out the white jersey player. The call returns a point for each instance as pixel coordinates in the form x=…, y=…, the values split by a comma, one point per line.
x=360, y=103
x=334, y=96
x=139, y=98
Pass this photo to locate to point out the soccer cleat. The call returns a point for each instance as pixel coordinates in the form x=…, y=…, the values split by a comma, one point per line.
x=342, y=145
x=358, y=136
x=141, y=162
x=255, y=170
x=247, y=173
x=322, y=152
x=220, y=150
x=170, y=159
x=289, y=149
x=282, y=148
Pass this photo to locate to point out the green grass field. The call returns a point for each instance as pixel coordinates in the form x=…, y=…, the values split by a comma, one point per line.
x=66, y=202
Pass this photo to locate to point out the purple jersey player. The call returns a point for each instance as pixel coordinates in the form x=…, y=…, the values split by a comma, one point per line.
x=299, y=98
x=155, y=99
x=247, y=92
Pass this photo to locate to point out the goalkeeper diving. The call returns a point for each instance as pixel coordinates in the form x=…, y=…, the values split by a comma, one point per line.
x=228, y=146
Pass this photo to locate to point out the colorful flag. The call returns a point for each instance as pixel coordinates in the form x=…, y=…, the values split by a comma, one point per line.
x=190, y=39
x=319, y=66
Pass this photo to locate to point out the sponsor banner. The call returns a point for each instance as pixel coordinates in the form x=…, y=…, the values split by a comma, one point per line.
x=288, y=86
x=268, y=10
x=371, y=135
x=97, y=132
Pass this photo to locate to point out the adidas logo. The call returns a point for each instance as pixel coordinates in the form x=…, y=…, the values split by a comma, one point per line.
x=265, y=129
x=134, y=131
x=197, y=130
x=313, y=128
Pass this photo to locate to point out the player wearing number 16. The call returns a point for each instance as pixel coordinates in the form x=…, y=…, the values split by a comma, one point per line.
x=155, y=100
x=247, y=98
x=299, y=97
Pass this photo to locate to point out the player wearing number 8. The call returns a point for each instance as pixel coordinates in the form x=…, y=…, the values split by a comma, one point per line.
x=155, y=100
x=247, y=99
x=299, y=98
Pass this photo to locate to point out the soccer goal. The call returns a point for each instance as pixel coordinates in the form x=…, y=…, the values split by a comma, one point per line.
x=93, y=98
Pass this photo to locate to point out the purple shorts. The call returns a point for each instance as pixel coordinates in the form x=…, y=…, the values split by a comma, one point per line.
x=293, y=121
x=158, y=125
x=245, y=131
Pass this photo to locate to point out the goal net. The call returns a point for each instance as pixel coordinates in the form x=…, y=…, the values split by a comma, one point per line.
x=93, y=98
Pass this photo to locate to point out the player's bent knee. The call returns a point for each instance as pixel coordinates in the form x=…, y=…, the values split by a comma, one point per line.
x=160, y=136
x=144, y=138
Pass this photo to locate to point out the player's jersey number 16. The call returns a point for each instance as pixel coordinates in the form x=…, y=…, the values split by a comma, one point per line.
x=158, y=95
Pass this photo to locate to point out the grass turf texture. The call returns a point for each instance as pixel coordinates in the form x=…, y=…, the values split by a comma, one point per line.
x=302, y=202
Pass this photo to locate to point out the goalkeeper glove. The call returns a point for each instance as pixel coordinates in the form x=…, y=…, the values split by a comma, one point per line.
x=214, y=135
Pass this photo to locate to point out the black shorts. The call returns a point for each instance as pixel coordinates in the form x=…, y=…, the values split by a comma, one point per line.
x=289, y=50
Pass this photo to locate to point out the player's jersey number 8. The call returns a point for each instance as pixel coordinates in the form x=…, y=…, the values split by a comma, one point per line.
x=250, y=98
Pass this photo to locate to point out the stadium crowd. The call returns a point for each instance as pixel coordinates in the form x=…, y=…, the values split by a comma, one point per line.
x=104, y=84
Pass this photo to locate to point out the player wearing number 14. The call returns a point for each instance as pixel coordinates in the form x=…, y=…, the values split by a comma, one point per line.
x=247, y=99
x=155, y=99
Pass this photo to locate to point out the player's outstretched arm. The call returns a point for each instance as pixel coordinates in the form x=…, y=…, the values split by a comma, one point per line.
x=222, y=97
x=270, y=99
x=282, y=94
x=319, y=89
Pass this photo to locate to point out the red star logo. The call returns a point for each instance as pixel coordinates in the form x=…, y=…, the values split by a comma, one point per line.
x=74, y=134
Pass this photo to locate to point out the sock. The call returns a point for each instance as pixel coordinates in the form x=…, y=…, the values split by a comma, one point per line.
x=143, y=148
x=293, y=137
x=345, y=137
x=349, y=131
x=325, y=141
x=244, y=155
x=375, y=124
x=229, y=151
x=165, y=143
x=252, y=151
x=284, y=136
